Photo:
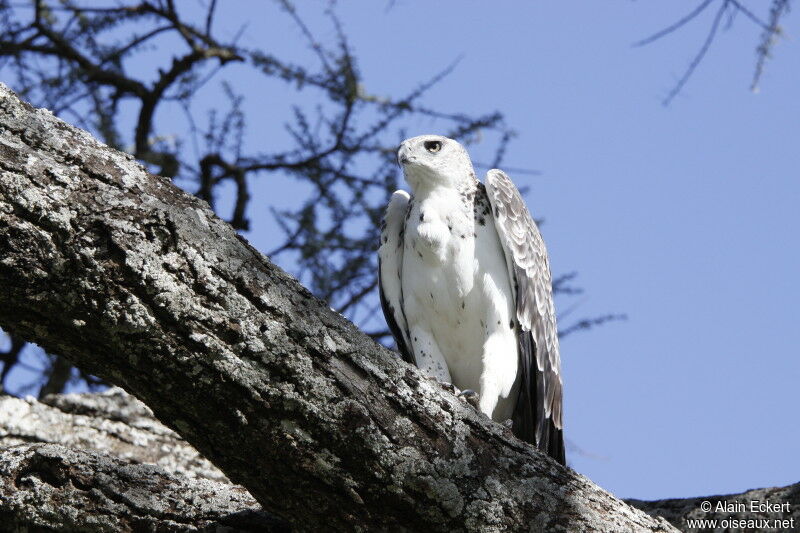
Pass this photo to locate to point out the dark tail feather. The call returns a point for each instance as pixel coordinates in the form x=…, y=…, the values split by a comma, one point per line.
x=555, y=446
x=529, y=421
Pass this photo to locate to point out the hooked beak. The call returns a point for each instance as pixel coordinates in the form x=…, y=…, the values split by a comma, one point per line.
x=402, y=156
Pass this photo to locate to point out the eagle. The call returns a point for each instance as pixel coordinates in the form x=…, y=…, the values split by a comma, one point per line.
x=465, y=287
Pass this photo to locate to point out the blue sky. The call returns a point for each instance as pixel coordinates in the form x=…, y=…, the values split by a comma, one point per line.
x=682, y=217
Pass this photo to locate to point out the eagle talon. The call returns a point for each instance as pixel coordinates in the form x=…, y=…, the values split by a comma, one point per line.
x=469, y=396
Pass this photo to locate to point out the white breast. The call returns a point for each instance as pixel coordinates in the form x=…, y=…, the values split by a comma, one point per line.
x=456, y=286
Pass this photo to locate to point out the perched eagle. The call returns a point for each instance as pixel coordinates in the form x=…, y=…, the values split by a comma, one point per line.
x=466, y=289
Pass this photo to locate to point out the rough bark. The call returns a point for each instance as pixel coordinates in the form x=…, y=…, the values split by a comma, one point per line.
x=61, y=487
x=733, y=506
x=48, y=487
x=113, y=423
x=56, y=491
x=140, y=284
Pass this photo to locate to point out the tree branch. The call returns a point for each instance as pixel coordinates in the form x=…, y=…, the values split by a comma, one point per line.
x=48, y=487
x=116, y=423
x=780, y=516
x=140, y=284
x=112, y=422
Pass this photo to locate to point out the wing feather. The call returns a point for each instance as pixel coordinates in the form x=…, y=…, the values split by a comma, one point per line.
x=538, y=415
x=390, y=272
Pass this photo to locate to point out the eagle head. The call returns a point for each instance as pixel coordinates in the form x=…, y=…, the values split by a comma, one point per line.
x=430, y=161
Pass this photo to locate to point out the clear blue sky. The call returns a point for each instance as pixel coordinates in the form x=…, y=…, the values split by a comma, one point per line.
x=683, y=217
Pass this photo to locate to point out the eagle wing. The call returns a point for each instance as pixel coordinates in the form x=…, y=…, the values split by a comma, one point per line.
x=538, y=415
x=390, y=271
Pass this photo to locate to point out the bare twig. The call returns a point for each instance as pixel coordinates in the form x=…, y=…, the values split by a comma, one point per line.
x=698, y=57
x=676, y=25
x=771, y=30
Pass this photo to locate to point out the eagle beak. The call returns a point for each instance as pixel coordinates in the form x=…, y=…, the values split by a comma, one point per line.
x=402, y=155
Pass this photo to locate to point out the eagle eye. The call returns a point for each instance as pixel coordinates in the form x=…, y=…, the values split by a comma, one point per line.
x=433, y=146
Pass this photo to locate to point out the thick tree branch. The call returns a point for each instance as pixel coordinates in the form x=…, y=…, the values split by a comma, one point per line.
x=115, y=423
x=84, y=480
x=769, y=509
x=141, y=284
x=48, y=487
x=112, y=422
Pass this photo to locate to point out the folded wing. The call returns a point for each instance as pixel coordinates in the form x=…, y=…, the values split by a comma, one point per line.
x=390, y=272
x=538, y=414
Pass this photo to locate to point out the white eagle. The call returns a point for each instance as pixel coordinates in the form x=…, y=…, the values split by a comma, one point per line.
x=465, y=286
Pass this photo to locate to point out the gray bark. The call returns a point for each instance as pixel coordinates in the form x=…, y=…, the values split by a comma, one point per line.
x=68, y=463
x=733, y=506
x=54, y=492
x=48, y=487
x=142, y=285
x=113, y=423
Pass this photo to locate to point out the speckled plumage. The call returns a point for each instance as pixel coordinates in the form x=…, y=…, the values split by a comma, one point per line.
x=466, y=289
